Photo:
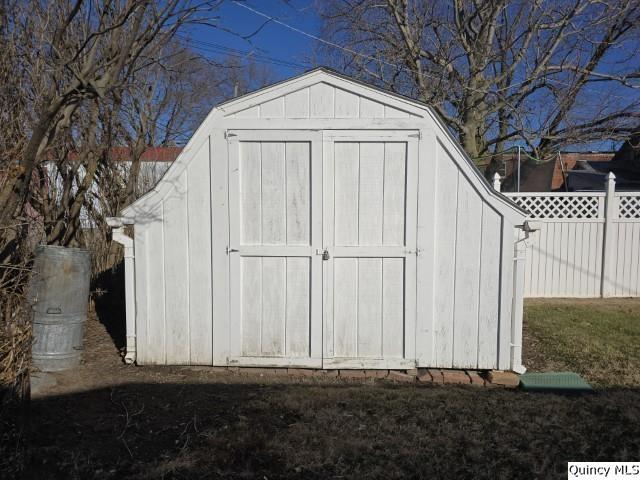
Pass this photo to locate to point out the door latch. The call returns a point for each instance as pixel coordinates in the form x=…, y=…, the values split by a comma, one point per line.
x=324, y=253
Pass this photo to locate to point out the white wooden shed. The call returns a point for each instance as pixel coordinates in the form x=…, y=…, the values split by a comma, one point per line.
x=324, y=223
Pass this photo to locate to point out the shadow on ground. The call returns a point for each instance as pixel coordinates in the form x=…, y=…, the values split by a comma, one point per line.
x=253, y=430
x=109, y=300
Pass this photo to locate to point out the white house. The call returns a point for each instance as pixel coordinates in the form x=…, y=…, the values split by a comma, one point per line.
x=324, y=223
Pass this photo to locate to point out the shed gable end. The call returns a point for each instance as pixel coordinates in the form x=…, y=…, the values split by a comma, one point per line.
x=321, y=100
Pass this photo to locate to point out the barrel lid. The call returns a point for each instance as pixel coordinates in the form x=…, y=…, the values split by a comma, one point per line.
x=58, y=248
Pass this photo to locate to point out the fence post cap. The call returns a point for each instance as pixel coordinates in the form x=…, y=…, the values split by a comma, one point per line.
x=611, y=176
x=496, y=181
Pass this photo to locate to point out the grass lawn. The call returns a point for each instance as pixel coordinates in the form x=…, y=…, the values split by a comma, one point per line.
x=599, y=339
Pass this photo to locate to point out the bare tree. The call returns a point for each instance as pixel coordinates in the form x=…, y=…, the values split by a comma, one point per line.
x=65, y=68
x=75, y=54
x=544, y=72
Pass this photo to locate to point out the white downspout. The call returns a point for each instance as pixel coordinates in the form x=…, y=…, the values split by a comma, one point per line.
x=126, y=241
x=520, y=251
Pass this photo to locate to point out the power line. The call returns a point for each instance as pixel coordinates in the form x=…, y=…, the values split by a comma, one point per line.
x=211, y=47
x=390, y=64
x=349, y=50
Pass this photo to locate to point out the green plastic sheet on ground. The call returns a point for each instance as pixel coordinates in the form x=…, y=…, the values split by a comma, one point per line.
x=554, y=382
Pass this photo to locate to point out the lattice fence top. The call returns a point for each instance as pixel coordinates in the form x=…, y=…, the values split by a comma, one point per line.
x=559, y=206
x=628, y=206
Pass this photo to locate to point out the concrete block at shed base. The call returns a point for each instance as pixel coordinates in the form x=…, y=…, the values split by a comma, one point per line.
x=476, y=378
x=263, y=372
x=352, y=373
x=376, y=373
x=326, y=373
x=436, y=374
x=300, y=372
x=424, y=375
x=506, y=379
x=397, y=376
x=458, y=377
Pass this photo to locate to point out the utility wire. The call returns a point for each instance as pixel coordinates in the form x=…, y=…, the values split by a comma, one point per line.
x=390, y=64
x=350, y=50
x=234, y=52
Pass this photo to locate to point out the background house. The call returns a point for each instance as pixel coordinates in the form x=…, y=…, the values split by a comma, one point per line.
x=568, y=171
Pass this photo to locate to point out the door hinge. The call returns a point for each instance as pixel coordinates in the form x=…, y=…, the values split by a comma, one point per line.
x=417, y=252
x=417, y=135
x=227, y=135
x=228, y=250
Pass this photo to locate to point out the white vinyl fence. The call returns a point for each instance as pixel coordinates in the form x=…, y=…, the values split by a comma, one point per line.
x=587, y=245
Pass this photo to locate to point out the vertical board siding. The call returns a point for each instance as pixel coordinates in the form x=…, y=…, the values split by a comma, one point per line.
x=369, y=308
x=250, y=193
x=467, y=278
x=468, y=269
x=176, y=269
x=488, y=309
x=275, y=193
x=298, y=193
x=322, y=100
x=274, y=298
x=142, y=249
x=370, y=194
x=219, y=149
x=447, y=202
x=345, y=310
x=273, y=108
x=368, y=293
x=393, y=274
x=298, y=307
x=156, y=327
x=390, y=112
x=395, y=164
x=370, y=108
x=199, y=247
x=251, y=305
x=296, y=104
x=370, y=189
x=275, y=306
x=368, y=296
x=273, y=199
x=347, y=105
x=275, y=210
x=347, y=173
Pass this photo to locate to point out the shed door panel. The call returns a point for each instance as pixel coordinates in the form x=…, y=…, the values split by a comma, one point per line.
x=275, y=314
x=369, y=231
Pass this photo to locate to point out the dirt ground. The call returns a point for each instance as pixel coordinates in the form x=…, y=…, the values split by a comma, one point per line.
x=109, y=420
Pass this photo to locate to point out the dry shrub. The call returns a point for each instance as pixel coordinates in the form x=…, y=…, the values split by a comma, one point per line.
x=105, y=253
x=15, y=361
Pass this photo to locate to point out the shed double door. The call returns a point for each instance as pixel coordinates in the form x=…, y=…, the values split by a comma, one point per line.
x=322, y=248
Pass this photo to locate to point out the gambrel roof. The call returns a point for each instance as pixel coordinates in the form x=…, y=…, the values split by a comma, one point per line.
x=324, y=99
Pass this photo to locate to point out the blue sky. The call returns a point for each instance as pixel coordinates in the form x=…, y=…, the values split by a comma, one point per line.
x=285, y=52
x=273, y=43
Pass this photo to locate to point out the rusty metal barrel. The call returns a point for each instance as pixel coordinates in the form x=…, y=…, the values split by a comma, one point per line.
x=59, y=295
